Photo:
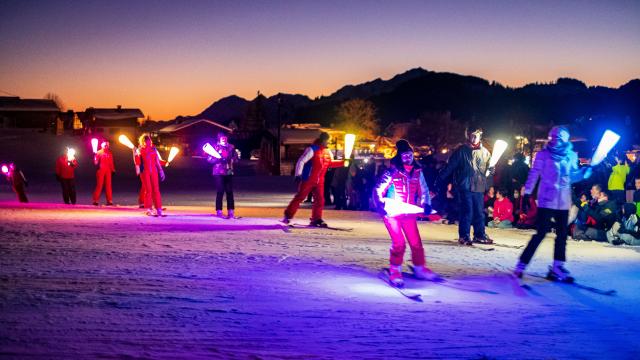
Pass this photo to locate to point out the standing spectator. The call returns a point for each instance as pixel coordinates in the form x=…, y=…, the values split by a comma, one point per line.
x=502, y=211
x=103, y=160
x=617, y=180
x=339, y=187
x=222, y=172
x=469, y=166
x=636, y=194
x=65, y=173
x=518, y=173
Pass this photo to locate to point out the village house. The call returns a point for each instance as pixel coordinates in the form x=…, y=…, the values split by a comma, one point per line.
x=28, y=113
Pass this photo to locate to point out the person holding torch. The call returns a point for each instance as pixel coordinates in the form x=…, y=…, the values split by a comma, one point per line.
x=469, y=166
x=65, y=173
x=223, y=156
x=103, y=159
x=310, y=172
x=404, y=183
x=150, y=172
x=555, y=168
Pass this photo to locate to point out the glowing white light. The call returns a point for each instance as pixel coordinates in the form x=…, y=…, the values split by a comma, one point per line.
x=349, y=141
x=608, y=141
x=71, y=154
x=172, y=154
x=395, y=207
x=5, y=169
x=498, y=149
x=94, y=145
x=124, y=140
x=207, y=148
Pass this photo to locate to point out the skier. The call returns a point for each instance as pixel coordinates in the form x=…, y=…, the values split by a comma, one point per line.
x=556, y=167
x=103, y=159
x=138, y=165
x=310, y=171
x=18, y=182
x=468, y=165
x=223, y=174
x=150, y=171
x=404, y=181
x=65, y=173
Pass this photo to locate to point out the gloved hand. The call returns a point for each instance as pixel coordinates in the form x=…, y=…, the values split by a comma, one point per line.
x=525, y=203
x=298, y=180
x=162, y=176
x=588, y=172
x=427, y=209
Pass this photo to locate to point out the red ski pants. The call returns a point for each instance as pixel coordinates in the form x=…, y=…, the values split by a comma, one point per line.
x=151, y=187
x=318, y=200
x=103, y=178
x=404, y=228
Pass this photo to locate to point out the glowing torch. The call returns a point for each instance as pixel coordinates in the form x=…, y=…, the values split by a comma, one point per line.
x=5, y=169
x=124, y=140
x=498, y=149
x=209, y=150
x=608, y=141
x=94, y=145
x=395, y=207
x=349, y=141
x=172, y=154
x=71, y=154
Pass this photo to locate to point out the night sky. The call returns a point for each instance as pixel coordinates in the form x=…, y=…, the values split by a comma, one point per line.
x=176, y=57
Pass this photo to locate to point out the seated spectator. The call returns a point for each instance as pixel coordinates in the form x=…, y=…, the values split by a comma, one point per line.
x=529, y=214
x=626, y=231
x=517, y=204
x=599, y=220
x=502, y=211
x=489, y=199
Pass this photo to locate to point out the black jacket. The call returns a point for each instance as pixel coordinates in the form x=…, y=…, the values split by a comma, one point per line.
x=469, y=169
x=604, y=213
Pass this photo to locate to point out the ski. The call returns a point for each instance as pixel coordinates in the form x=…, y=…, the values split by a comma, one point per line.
x=592, y=289
x=384, y=276
x=303, y=226
x=450, y=284
x=502, y=245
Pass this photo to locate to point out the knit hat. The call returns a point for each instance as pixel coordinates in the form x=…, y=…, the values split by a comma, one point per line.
x=403, y=146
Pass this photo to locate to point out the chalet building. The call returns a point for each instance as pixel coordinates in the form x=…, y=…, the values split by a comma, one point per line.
x=111, y=121
x=28, y=113
x=189, y=134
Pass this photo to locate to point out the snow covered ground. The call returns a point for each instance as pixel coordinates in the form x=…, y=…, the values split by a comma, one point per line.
x=86, y=282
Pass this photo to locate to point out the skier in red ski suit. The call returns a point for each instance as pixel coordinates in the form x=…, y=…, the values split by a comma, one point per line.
x=310, y=171
x=138, y=164
x=404, y=181
x=103, y=159
x=151, y=170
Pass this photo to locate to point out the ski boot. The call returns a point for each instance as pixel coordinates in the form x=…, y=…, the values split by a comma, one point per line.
x=557, y=272
x=318, y=223
x=395, y=276
x=484, y=239
x=231, y=214
x=219, y=214
x=465, y=241
x=285, y=220
x=518, y=272
x=96, y=204
x=424, y=273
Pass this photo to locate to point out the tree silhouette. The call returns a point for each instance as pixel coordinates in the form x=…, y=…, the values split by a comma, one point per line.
x=357, y=116
x=57, y=100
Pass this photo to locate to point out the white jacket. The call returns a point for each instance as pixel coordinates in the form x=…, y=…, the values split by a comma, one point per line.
x=556, y=177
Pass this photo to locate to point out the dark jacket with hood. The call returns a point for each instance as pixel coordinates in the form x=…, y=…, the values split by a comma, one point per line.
x=469, y=168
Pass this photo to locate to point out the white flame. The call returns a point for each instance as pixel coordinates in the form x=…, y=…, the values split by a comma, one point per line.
x=608, y=141
x=207, y=148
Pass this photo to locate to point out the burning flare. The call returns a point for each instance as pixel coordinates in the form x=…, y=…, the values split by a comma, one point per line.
x=71, y=154
x=94, y=145
x=124, y=140
x=608, y=141
x=207, y=148
x=5, y=169
x=395, y=207
x=172, y=154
